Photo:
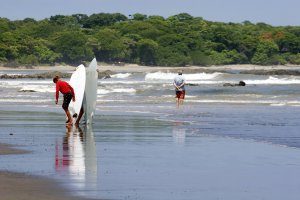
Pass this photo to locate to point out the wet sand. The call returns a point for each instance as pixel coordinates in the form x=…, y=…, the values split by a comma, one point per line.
x=6, y=149
x=18, y=186
x=134, y=156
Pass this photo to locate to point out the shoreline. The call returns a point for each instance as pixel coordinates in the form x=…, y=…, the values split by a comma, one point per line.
x=15, y=186
x=132, y=68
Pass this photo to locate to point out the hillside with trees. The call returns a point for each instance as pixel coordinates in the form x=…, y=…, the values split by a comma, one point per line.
x=179, y=40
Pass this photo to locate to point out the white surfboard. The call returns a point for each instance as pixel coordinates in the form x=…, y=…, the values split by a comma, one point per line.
x=90, y=91
x=77, y=81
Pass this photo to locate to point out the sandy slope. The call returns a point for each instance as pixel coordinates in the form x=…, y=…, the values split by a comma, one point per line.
x=17, y=186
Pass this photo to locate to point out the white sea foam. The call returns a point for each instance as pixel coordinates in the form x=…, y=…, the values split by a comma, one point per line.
x=286, y=103
x=116, y=90
x=24, y=82
x=37, y=88
x=271, y=102
x=188, y=77
x=11, y=74
x=111, y=100
x=124, y=90
x=278, y=104
x=113, y=82
x=18, y=84
x=274, y=81
x=102, y=91
x=206, y=82
x=24, y=100
x=173, y=96
x=126, y=75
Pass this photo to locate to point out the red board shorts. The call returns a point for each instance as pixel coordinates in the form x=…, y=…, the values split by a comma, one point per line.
x=67, y=99
x=180, y=94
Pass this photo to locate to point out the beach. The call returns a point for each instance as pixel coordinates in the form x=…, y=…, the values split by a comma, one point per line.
x=16, y=186
x=133, y=68
x=223, y=143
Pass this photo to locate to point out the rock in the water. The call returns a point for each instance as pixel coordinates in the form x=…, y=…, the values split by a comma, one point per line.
x=192, y=84
x=241, y=83
x=27, y=91
x=105, y=74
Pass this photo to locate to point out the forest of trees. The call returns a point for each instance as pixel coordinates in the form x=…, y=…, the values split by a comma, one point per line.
x=179, y=40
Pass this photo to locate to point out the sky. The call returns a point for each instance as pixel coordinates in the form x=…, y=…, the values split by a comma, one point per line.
x=274, y=12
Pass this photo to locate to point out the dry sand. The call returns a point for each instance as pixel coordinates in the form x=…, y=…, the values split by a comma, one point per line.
x=17, y=186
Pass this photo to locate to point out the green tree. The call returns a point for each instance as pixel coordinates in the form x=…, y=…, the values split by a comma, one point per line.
x=9, y=47
x=43, y=52
x=72, y=46
x=201, y=58
x=139, y=17
x=109, y=45
x=167, y=56
x=181, y=17
x=103, y=19
x=265, y=51
x=147, y=50
x=289, y=43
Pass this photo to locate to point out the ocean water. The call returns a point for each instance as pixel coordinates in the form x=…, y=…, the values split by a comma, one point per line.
x=223, y=143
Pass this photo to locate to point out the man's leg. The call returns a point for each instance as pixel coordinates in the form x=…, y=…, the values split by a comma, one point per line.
x=181, y=101
x=177, y=102
x=182, y=96
x=177, y=98
x=65, y=106
x=79, y=116
x=70, y=121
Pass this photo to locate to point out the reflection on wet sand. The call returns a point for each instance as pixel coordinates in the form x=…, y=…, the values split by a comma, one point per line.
x=179, y=133
x=76, y=158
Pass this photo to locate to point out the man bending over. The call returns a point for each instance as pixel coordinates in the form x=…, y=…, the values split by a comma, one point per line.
x=68, y=92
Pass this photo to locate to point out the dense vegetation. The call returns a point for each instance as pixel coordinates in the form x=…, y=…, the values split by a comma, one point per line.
x=179, y=40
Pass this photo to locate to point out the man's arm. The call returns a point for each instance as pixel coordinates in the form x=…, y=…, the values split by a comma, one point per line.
x=180, y=86
x=175, y=86
x=57, y=93
x=72, y=92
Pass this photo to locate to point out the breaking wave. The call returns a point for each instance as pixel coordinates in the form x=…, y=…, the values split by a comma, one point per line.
x=116, y=90
x=120, y=76
x=188, y=77
x=274, y=81
x=37, y=88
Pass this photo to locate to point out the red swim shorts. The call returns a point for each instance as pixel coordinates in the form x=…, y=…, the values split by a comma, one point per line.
x=180, y=94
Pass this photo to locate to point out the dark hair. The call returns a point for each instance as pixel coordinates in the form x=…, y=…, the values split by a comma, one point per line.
x=55, y=79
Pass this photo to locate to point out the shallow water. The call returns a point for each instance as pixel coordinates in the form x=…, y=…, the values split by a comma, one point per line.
x=224, y=143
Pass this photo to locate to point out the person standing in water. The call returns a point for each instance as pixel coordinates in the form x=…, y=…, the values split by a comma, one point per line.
x=68, y=92
x=179, y=83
